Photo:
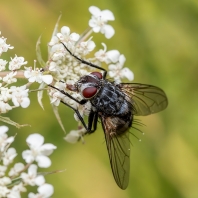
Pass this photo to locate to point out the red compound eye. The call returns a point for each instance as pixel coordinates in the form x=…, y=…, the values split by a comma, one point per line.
x=89, y=92
x=98, y=74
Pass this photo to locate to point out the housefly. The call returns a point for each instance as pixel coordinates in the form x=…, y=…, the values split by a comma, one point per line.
x=115, y=105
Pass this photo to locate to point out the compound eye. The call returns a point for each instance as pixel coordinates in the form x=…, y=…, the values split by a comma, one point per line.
x=89, y=92
x=98, y=74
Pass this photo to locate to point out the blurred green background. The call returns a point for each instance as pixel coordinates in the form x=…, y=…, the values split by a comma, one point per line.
x=160, y=42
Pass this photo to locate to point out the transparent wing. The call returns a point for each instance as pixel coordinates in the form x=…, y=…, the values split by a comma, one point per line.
x=118, y=147
x=146, y=99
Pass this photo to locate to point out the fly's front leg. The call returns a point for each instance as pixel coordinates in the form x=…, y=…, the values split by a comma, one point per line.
x=86, y=62
x=79, y=116
x=83, y=101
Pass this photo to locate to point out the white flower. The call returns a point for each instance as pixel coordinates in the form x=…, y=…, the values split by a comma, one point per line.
x=66, y=36
x=3, y=46
x=38, y=151
x=18, y=167
x=111, y=56
x=36, y=75
x=127, y=73
x=4, y=107
x=20, y=96
x=75, y=135
x=9, y=155
x=52, y=66
x=9, y=78
x=117, y=72
x=16, y=190
x=31, y=178
x=44, y=191
x=2, y=170
x=16, y=63
x=55, y=97
x=5, y=94
x=87, y=47
x=4, y=191
x=4, y=139
x=5, y=181
x=57, y=56
x=3, y=64
x=99, y=20
x=13, y=194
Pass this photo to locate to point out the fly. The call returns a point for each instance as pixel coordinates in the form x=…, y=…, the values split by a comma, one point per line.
x=115, y=105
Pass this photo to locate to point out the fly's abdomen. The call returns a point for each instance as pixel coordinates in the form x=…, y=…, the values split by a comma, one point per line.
x=117, y=124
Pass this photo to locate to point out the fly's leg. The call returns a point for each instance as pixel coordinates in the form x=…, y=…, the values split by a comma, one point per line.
x=92, y=121
x=93, y=116
x=86, y=62
x=83, y=101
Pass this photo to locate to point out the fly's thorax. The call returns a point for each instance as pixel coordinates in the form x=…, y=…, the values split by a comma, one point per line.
x=111, y=101
x=89, y=85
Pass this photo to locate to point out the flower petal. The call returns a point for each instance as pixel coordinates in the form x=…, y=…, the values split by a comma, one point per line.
x=3, y=129
x=127, y=73
x=43, y=161
x=72, y=137
x=32, y=170
x=35, y=140
x=95, y=11
x=65, y=30
x=25, y=103
x=113, y=55
x=108, y=15
x=39, y=180
x=108, y=31
x=47, y=79
x=28, y=156
x=47, y=149
x=46, y=190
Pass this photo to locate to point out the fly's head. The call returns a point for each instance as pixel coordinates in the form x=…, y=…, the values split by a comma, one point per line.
x=88, y=85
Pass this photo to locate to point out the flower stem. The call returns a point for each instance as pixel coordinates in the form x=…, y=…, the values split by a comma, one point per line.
x=20, y=74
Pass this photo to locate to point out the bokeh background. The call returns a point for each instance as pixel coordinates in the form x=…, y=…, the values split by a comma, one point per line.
x=160, y=42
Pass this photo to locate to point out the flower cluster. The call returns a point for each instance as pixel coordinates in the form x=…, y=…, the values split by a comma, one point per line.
x=61, y=69
x=8, y=92
x=13, y=180
x=66, y=70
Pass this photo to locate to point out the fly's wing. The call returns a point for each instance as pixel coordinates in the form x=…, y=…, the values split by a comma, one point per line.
x=118, y=147
x=146, y=99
